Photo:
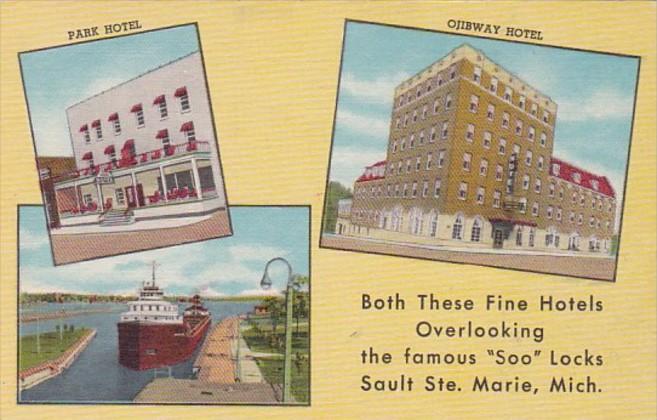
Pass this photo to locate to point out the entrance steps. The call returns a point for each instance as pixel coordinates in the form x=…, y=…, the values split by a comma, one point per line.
x=117, y=218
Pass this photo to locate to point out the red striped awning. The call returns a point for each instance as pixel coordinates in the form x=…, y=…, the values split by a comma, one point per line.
x=88, y=156
x=181, y=91
x=85, y=127
x=109, y=149
x=113, y=117
x=162, y=134
x=188, y=126
x=95, y=124
x=135, y=108
x=128, y=143
x=158, y=100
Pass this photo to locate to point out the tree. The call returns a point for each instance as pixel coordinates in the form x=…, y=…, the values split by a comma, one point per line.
x=301, y=299
x=276, y=311
x=334, y=193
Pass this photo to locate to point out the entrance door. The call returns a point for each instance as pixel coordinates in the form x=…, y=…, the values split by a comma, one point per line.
x=498, y=238
x=131, y=196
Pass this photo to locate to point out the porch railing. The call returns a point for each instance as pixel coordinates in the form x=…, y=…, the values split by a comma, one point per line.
x=103, y=169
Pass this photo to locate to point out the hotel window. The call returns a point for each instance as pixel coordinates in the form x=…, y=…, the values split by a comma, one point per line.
x=463, y=191
x=594, y=184
x=535, y=209
x=452, y=72
x=551, y=189
x=429, y=86
x=401, y=101
x=398, y=122
x=580, y=219
x=397, y=190
x=394, y=146
x=537, y=186
x=440, y=80
x=487, y=139
x=532, y=236
x=469, y=134
x=559, y=213
x=188, y=129
x=490, y=114
x=162, y=105
x=525, y=182
x=428, y=165
x=414, y=193
x=607, y=225
x=528, y=158
x=546, y=117
x=505, y=120
x=435, y=106
x=99, y=130
x=399, y=167
x=549, y=212
x=441, y=158
x=116, y=124
x=539, y=164
x=521, y=102
x=421, y=136
x=508, y=94
x=436, y=188
x=388, y=190
x=467, y=158
x=419, y=92
x=403, y=143
x=444, y=132
x=424, y=112
x=433, y=134
x=493, y=85
x=415, y=115
x=518, y=127
x=502, y=148
x=475, y=234
x=522, y=205
x=119, y=195
x=405, y=119
x=497, y=199
x=181, y=94
x=483, y=167
x=531, y=134
x=163, y=135
x=408, y=166
x=425, y=188
x=571, y=217
x=516, y=149
x=417, y=163
x=476, y=76
x=534, y=109
x=499, y=172
x=448, y=101
x=474, y=103
x=457, y=228
x=581, y=200
x=519, y=236
x=87, y=137
x=411, y=141
x=481, y=193
x=574, y=197
x=591, y=221
x=405, y=190
x=543, y=139
x=555, y=169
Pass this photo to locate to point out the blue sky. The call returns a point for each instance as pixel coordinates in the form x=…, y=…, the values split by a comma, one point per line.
x=594, y=93
x=227, y=266
x=57, y=78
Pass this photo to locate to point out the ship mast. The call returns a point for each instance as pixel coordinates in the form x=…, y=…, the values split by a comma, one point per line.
x=153, y=274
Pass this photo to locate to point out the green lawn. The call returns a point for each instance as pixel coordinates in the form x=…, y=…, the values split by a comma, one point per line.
x=272, y=367
x=51, y=346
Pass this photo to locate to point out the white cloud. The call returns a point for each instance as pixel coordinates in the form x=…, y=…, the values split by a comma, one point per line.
x=100, y=85
x=29, y=240
x=210, y=292
x=348, y=163
x=601, y=105
x=260, y=292
x=51, y=134
x=379, y=90
x=369, y=126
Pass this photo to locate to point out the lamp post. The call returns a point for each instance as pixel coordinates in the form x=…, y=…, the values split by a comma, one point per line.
x=266, y=283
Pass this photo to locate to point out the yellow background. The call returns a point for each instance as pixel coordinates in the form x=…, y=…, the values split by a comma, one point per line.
x=273, y=69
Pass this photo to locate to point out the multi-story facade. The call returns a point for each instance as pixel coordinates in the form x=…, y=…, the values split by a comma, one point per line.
x=470, y=164
x=144, y=149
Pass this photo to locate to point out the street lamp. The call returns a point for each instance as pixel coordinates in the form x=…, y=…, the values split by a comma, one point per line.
x=291, y=285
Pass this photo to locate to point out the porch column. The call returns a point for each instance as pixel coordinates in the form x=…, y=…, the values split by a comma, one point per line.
x=164, y=183
x=77, y=194
x=101, y=204
x=197, y=180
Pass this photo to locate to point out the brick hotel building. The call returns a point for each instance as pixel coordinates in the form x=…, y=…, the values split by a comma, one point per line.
x=144, y=149
x=470, y=164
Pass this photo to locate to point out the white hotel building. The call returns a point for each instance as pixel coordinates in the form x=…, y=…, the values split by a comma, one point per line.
x=144, y=149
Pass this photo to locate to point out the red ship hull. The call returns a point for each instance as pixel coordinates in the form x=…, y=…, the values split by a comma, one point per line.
x=144, y=345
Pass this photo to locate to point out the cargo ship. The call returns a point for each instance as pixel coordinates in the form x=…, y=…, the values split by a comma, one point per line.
x=152, y=333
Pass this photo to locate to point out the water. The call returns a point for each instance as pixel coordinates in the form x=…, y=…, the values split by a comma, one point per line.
x=97, y=376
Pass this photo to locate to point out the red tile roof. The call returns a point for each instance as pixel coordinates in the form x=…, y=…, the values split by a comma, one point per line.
x=370, y=177
x=587, y=179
